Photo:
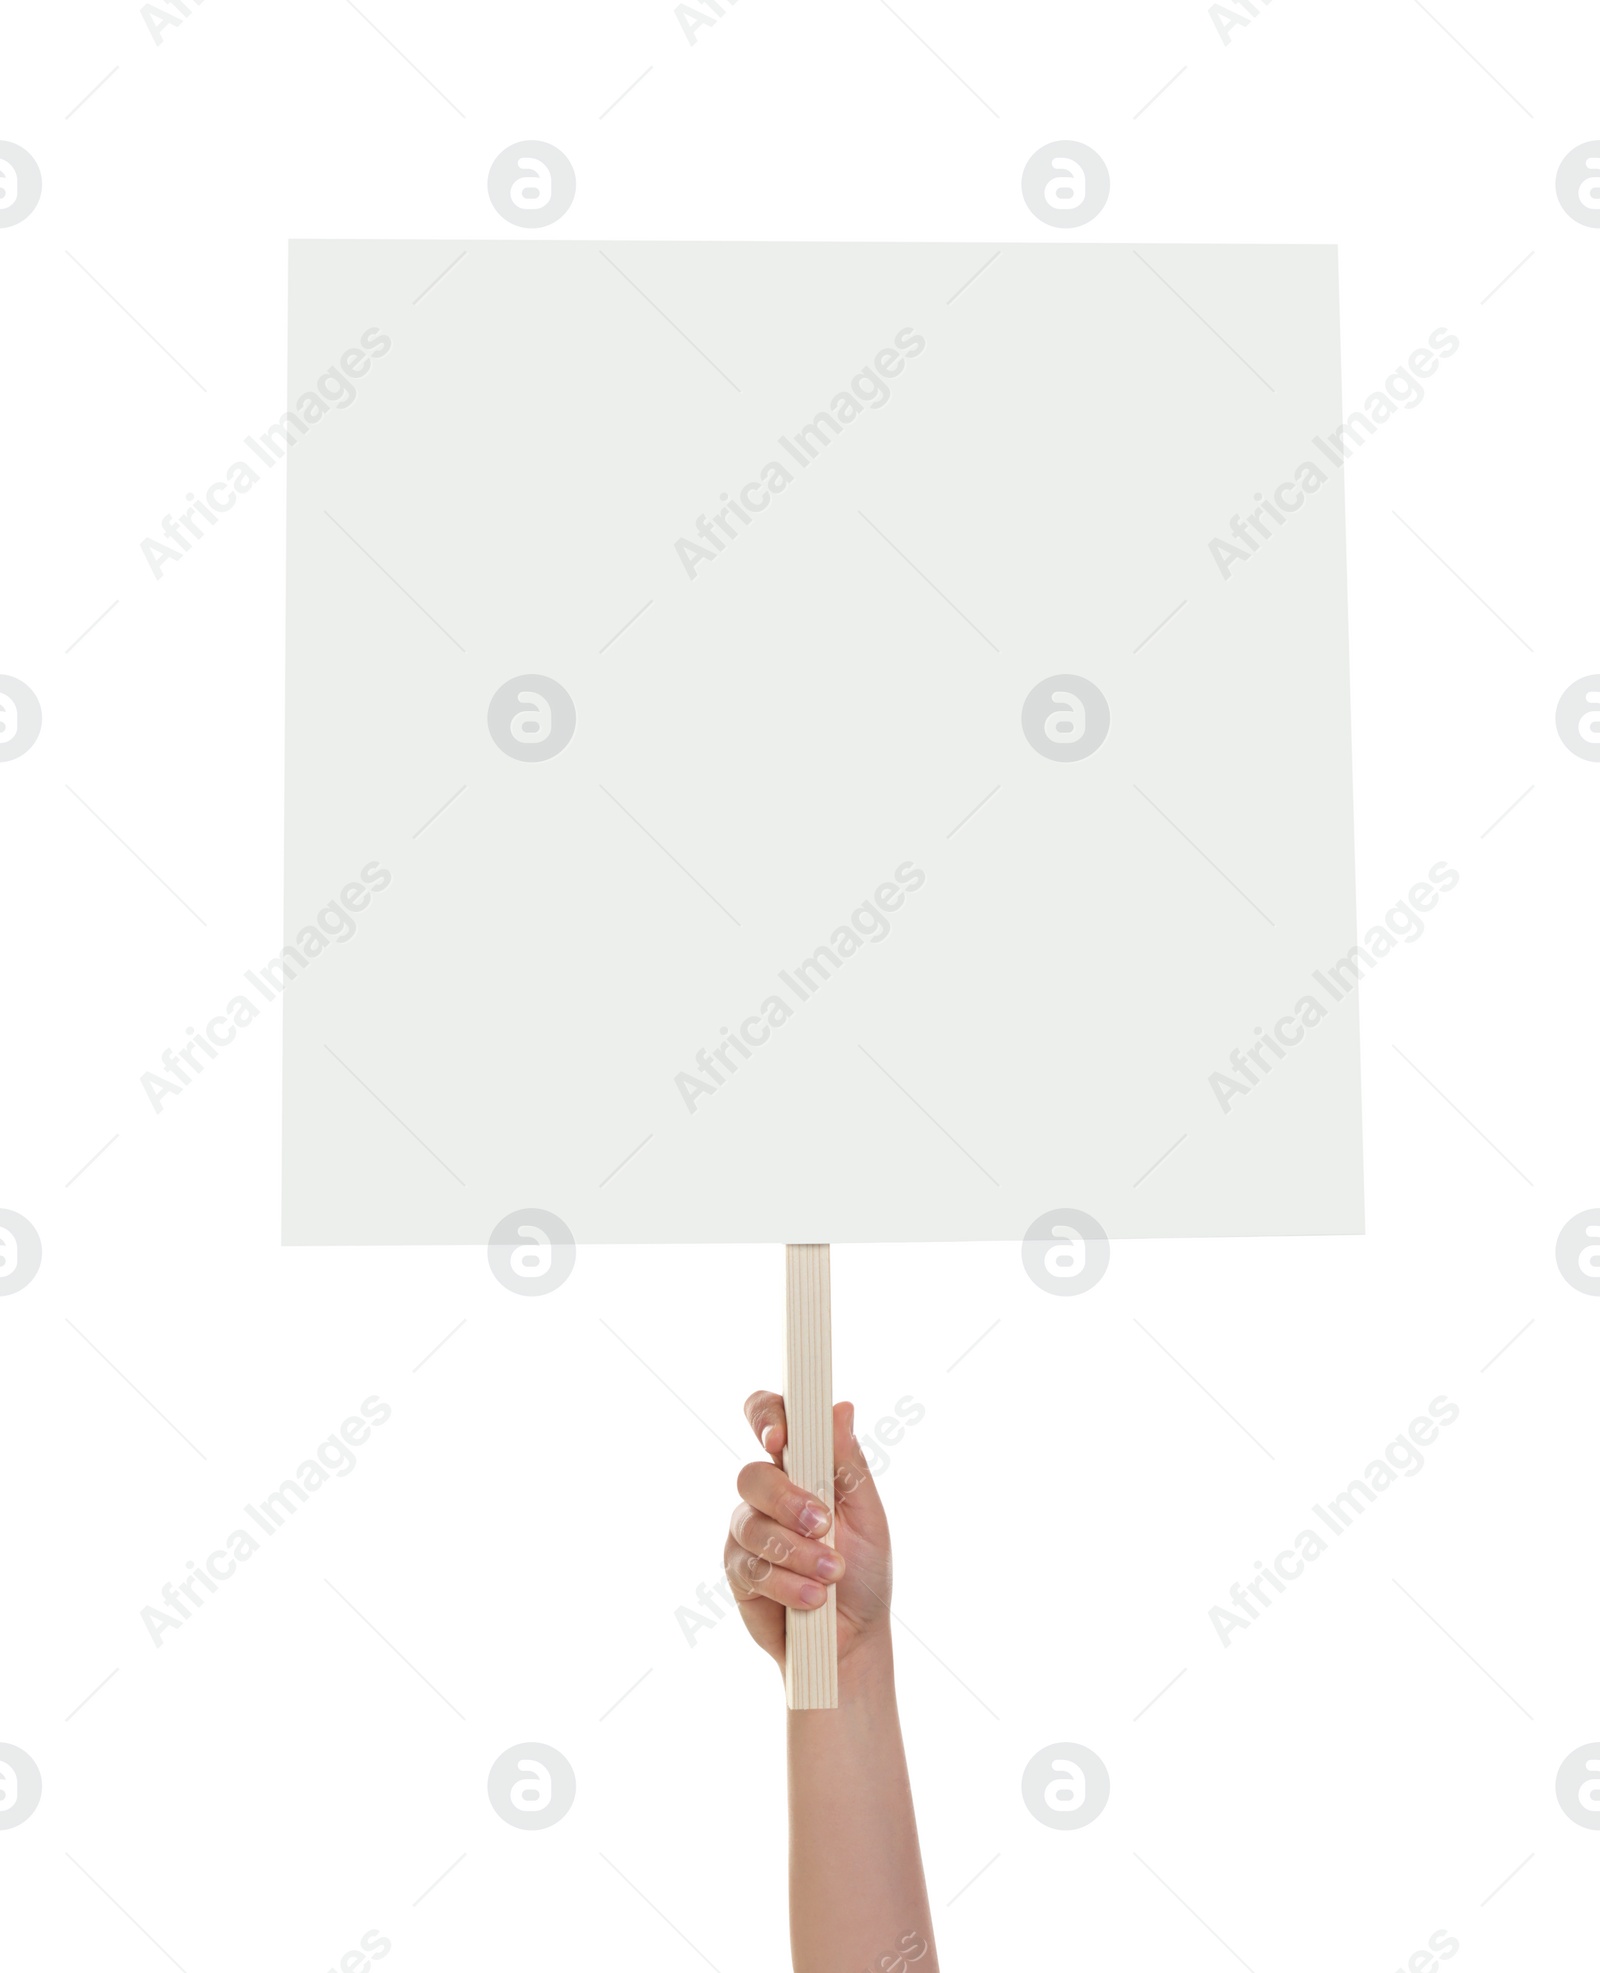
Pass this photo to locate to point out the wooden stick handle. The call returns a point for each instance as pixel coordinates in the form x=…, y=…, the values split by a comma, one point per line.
x=811, y=1655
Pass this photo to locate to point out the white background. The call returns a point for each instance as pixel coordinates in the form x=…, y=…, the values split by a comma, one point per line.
x=273, y=1782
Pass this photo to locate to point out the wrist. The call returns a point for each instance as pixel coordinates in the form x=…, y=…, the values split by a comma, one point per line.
x=866, y=1666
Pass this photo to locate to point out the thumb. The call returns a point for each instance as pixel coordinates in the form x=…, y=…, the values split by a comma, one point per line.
x=855, y=1492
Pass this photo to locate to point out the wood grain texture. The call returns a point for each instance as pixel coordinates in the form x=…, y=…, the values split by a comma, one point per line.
x=811, y=1655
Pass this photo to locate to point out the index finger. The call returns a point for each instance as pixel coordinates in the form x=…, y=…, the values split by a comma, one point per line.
x=768, y=1421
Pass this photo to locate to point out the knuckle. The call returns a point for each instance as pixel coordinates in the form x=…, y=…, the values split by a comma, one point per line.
x=749, y=1571
x=755, y=1535
x=733, y=1573
x=777, y=1547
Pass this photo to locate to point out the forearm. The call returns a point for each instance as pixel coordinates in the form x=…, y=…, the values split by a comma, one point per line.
x=857, y=1901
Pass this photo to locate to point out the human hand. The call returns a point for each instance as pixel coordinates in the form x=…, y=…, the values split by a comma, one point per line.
x=773, y=1557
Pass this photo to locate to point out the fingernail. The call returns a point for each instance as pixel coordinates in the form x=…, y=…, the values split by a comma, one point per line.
x=829, y=1566
x=766, y=1437
x=813, y=1519
x=812, y=1593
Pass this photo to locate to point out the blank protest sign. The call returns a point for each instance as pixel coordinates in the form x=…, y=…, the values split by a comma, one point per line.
x=830, y=785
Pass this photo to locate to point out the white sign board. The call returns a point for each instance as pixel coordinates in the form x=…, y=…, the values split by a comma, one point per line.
x=817, y=743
